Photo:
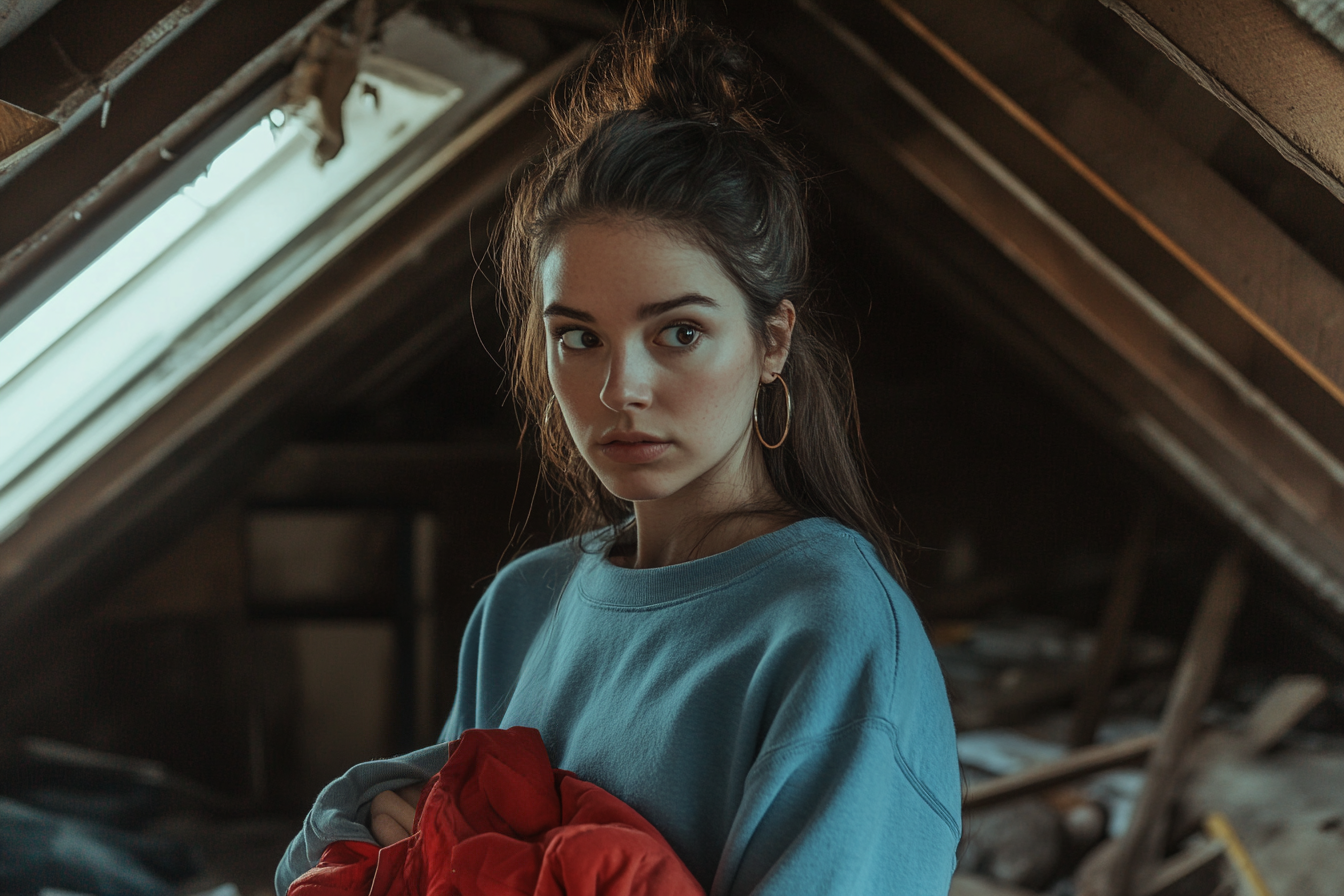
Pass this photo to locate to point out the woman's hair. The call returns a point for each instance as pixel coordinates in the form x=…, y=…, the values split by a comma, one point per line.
x=662, y=125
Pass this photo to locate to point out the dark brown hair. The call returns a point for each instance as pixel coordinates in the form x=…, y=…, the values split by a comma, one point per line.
x=662, y=124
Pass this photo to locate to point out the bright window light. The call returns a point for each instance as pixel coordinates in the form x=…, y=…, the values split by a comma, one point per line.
x=151, y=311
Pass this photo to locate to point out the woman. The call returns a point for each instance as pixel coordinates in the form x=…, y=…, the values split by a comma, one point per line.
x=724, y=646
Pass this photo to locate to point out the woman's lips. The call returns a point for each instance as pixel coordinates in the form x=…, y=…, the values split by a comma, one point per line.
x=633, y=452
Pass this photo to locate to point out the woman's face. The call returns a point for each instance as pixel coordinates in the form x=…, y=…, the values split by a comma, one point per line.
x=652, y=358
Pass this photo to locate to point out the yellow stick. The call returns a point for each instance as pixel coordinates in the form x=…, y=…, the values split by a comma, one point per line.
x=1219, y=828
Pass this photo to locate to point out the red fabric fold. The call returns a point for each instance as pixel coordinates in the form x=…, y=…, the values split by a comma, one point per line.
x=497, y=820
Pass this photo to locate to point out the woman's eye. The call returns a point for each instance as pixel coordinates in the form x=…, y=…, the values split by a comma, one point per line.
x=681, y=335
x=579, y=339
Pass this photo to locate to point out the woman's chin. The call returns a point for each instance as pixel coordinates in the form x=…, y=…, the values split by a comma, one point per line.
x=639, y=486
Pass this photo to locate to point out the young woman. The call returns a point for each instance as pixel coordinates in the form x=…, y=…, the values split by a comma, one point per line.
x=723, y=644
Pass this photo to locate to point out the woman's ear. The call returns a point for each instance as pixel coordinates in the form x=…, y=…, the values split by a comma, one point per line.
x=780, y=326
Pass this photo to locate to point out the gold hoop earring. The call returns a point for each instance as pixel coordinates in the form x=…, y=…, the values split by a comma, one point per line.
x=788, y=416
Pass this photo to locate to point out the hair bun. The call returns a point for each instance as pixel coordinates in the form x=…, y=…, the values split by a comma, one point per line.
x=700, y=75
x=672, y=70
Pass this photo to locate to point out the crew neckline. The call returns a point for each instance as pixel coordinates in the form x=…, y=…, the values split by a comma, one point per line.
x=602, y=583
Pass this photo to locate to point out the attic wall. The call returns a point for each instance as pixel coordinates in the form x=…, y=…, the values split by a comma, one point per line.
x=1013, y=494
x=1010, y=504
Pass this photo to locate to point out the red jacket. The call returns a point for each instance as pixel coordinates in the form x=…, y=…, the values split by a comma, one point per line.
x=497, y=820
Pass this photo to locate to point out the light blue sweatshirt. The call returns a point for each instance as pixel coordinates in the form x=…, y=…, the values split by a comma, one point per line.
x=774, y=710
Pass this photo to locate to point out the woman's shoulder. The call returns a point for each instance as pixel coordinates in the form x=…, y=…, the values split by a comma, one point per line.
x=855, y=627
x=532, y=578
x=837, y=603
x=833, y=570
x=540, y=565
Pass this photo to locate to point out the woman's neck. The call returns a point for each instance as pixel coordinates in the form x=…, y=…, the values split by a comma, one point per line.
x=704, y=519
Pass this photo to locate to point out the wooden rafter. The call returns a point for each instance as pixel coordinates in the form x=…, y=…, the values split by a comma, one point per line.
x=298, y=357
x=21, y=131
x=989, y=154
x=1264, y=62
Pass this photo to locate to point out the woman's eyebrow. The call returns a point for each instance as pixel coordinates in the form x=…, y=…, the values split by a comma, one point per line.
x=558, y=310
x=653, y=309
x=656, y=308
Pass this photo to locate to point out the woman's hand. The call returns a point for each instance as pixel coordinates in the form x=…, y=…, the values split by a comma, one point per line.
x=392, y=814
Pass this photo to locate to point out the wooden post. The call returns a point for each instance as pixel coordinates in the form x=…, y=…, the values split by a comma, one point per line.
x=1139, y=848
x=1113, y=639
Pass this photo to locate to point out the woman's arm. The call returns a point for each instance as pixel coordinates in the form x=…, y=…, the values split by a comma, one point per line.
x=840, y=814
x=392, y=814
x=856, y=788
x=342, y=810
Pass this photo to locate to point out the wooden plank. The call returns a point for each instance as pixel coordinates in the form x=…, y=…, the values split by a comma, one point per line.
x=1265, y=63
x=288, y=361
x=965, y=883
x=21, y=131
x=41, y=245
x=1275, y=714
x=1077, y=764
x=1265, y=282
x=95, y=92
x=1220, y=829
x=1121, y=602
x=1184, y=402
x=1181, y=867
x=1141, y=846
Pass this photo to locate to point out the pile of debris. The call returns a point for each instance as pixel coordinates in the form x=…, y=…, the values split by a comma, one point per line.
x=80, y=821
x=1199, y=800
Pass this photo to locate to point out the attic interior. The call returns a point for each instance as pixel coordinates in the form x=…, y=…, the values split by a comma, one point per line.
x=1085, y=256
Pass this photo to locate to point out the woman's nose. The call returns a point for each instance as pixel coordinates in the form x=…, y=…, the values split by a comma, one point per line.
x=629, y=381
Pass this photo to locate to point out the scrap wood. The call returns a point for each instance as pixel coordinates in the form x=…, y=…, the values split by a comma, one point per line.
x=1077, y=764
x=1123, y=599
x=21, y=130
x=966, y=884
x=1203, y=858
x=1275, y=714
x=1291, y=698
x=1201, y=862
x=1220, y=829
x=1287, y=807
x=325, y=73
x=1125, y=861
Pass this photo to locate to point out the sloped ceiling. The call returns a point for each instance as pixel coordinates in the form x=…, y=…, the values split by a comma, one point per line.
x=1182, y=318
x=989, y=149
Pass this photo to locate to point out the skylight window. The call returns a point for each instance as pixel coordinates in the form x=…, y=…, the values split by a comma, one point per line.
x=154, y=308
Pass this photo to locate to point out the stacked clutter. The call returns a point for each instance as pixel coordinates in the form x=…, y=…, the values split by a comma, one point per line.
x=1166, y=793
x=77, y=821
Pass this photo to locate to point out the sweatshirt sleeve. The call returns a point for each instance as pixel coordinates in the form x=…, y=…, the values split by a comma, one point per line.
x=495, y=640
x=839, y=814
x=341, y=811
x=856, y=787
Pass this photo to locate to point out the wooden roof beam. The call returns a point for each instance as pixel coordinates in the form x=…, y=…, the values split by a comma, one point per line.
x=94, y=92
x=1266, y=63
x=23, y=132
x=303, y=353
x=1095, y=282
